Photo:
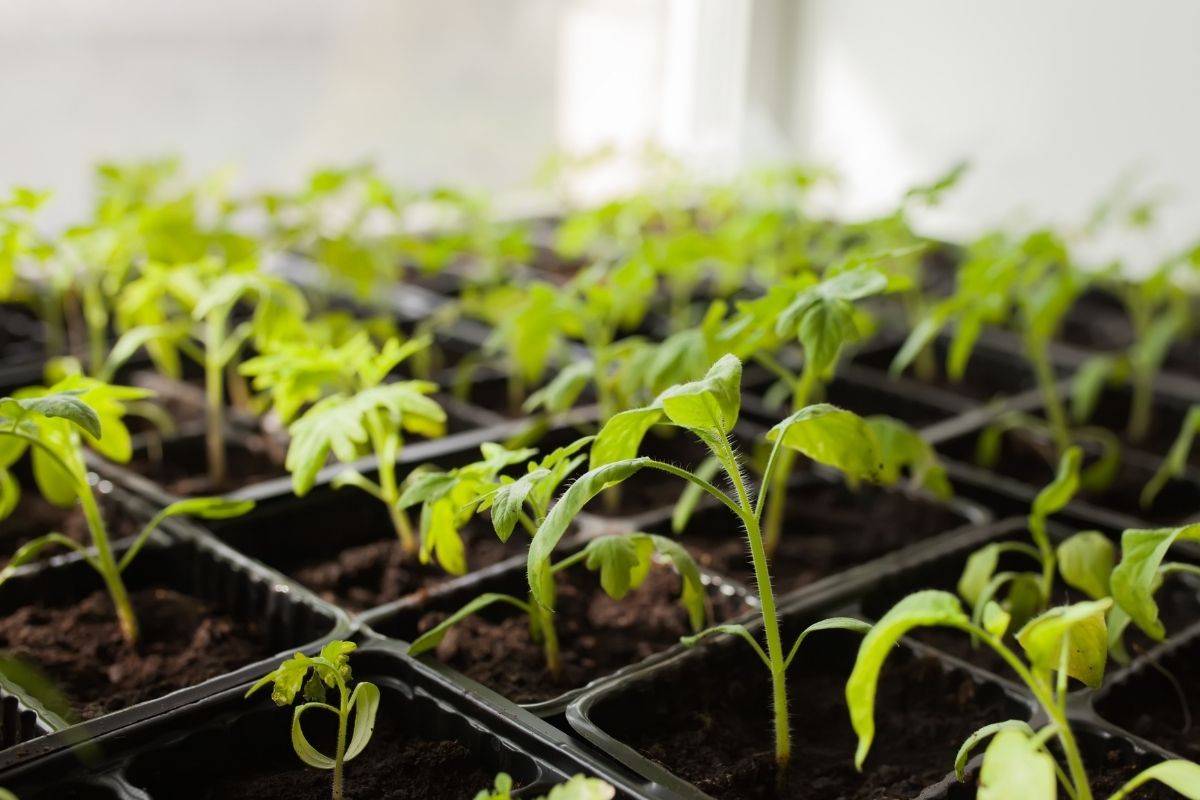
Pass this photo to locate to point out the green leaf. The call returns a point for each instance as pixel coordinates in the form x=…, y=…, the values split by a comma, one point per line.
x=337, y=653
x=1088, y=384
x=1085, y=561
x=1175, y=464
x=824, y=328
x=621, y=437
x=1081, y=629
x=964, y=752
x=365, y=703
x=693, y=594
x=60, y=405
x=930, y=607
x=208, y=508
x=1015, y=767
x=1182, y=776
x=580, y=787
x=835, y=437
x=509, y=500
x=308, y=754
x=1136, y=578
x=622, y=560
x=977, y=574
x=830, y=624
x=10, y=493
x=1055, y=496
x=710, y=404
x=996, y=620
x=433, y=637
x=900, y=448
x=426, y=487
x=58, y=486
x=440, y=537
x=551, y=531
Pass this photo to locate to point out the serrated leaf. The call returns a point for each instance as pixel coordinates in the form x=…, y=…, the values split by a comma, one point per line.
x=509, y=500
x=623, y=562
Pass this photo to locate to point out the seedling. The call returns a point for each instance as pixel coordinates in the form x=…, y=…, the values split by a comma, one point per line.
x=579, y=787
x=1059, y=644
x=623, y=560
x=708, y=409
x=364, y=415
x=330, y=669
x=1032, y=285
x=1139, y=575
x=53, y=425
x=188, y=309
x=1160, y=314
x=823, y=318
x=1176, y=462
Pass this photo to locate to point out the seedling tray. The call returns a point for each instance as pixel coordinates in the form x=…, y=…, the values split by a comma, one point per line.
x=182, y=557
x=399, y=621
x=178, y=754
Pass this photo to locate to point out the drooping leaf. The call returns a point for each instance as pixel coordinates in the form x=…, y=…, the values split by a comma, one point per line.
x=365, y=703
x=984, y=733
x=433, y=637
x=621, y=437
x=1182, y=776
x=623, y=562
x=307, y=753
x=551, y=531
x=926, y=608
x=60, y=405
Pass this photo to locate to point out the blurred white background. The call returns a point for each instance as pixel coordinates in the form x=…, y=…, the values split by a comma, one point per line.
x=1051, y=102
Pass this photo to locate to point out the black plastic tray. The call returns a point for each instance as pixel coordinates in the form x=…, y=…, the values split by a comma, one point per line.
x=132, y=763
x=178, y=554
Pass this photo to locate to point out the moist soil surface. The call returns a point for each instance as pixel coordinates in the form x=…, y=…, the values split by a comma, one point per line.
x=597, y=635
x=80, y=649
x=368, y=575
x=828, y=529
x=394, y=766
x=1150, y=705
x=712, y=728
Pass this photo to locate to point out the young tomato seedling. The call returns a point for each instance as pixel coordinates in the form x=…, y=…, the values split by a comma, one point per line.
x=53, y=425
x=623, y=560
x=330, y=669
x=189, y=309
x=1062, y=643
x=364, y=415
x=708, y=408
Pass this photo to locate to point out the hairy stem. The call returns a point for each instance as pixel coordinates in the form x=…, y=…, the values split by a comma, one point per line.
x=766, y=596
x=339, y=757
x=777, y=502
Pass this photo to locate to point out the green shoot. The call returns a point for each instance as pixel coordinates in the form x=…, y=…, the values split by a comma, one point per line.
x=330, y=669
x=1176, y=462
x=365, y=415
x=708, y=408
x=1061, y=643
x=53, y=425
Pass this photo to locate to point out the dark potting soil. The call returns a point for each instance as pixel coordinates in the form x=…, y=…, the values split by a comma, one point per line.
x=712, y=727
x=597, y=635
x=80, y=649
x=368, y=575
x=34, y=517
x=1150, y=704
x=394, y=766
x=827, y=529
x=182, y=466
